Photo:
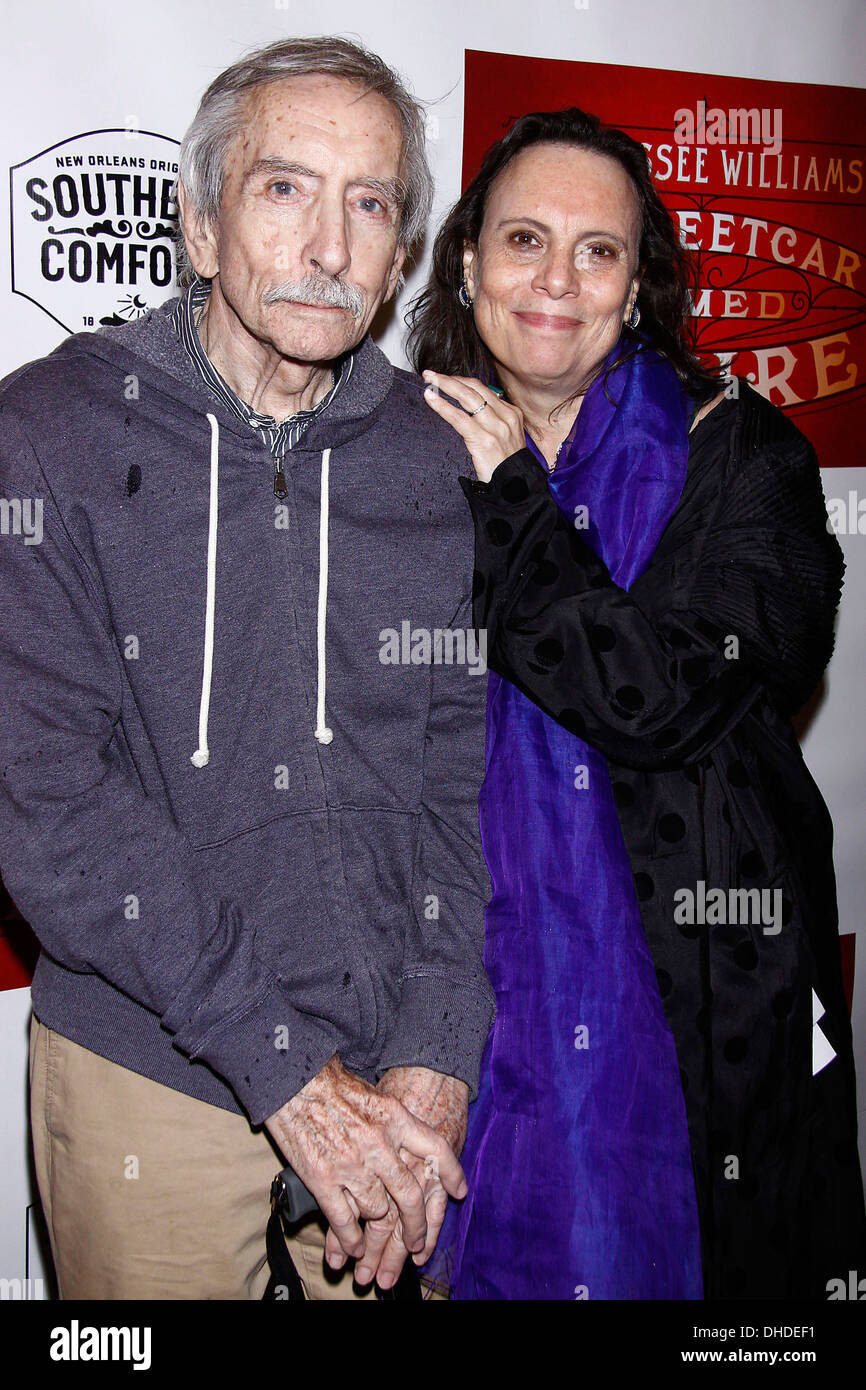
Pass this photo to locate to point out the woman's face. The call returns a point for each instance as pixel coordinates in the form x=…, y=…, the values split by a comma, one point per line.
x=554, y=274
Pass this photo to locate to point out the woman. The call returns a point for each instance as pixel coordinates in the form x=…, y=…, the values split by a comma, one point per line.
x=658, y=586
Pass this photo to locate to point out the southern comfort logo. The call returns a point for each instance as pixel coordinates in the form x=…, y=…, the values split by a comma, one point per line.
x=767, y=184
x=93, y=221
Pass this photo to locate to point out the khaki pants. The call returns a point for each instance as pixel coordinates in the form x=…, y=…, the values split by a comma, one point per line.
x=149, y=1193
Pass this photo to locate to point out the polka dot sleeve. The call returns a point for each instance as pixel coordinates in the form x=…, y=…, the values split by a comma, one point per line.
x=751, y=608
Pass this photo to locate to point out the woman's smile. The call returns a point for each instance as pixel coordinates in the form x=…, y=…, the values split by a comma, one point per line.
x=557, y=323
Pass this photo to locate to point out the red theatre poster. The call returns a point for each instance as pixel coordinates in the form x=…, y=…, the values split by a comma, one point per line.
x=766, y=182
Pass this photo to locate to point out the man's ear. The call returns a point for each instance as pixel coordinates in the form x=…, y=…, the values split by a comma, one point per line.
x=394, y=273
x=202, y=246
x=469, y=261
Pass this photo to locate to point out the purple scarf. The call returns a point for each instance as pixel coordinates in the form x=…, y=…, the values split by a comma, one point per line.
x=577, y=1157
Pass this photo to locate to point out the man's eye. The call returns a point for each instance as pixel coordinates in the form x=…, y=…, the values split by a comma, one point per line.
x=371, y=204
x=282, y=185
x=524, y=239
x=601, y=250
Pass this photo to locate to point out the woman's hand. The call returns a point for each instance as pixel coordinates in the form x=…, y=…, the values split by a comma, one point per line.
x=491, y=429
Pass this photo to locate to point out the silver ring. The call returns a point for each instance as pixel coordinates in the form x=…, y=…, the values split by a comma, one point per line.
x=483, y=406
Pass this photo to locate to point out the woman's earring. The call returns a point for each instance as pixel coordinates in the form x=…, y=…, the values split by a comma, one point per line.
x=634, y=317
x=463, y=294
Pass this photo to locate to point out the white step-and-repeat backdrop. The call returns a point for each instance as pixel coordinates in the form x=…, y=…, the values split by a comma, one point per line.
x=88, y=84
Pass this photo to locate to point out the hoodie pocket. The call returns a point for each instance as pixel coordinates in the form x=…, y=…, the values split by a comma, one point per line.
x=275, y=871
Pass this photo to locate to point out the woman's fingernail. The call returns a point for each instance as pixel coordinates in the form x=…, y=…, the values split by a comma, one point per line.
x=430, y=391
x=385, y=1281
x=336, y=1261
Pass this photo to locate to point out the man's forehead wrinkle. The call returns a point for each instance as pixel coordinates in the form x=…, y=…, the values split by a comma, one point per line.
x=265, y=103
x=266, y=108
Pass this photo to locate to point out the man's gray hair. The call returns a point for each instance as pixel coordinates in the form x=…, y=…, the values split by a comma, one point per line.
x=204, y=148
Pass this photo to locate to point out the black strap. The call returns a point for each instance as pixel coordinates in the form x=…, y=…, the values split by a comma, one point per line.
x=285, y=1282
x=291, y=1201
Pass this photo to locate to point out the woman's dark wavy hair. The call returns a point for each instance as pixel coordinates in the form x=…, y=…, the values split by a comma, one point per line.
x=442, y=334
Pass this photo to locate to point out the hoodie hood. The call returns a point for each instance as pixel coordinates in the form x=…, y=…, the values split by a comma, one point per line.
x=154, y=338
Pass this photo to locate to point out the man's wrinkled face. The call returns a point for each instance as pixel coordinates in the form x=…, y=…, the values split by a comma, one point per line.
x=306, y=247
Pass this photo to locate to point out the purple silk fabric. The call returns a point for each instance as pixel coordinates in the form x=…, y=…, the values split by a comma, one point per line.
x=577, y=1157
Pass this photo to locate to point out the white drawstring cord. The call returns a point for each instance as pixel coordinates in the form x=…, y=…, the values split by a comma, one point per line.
x=323, y=733
x=201, y=756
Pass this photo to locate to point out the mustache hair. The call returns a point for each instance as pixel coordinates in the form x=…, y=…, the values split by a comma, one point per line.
x=318, y=289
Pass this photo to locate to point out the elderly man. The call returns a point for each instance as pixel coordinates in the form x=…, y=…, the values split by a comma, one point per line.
x=241, y=727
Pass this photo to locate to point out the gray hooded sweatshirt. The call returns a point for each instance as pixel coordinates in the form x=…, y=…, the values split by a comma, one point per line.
x=241, y=740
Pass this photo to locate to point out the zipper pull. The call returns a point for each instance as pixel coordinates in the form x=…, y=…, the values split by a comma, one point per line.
x=280, y=487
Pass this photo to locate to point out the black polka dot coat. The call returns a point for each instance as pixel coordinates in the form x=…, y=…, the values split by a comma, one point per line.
x=687, y=683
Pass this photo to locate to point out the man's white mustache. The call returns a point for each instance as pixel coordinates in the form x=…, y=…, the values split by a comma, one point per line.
x=317, y=289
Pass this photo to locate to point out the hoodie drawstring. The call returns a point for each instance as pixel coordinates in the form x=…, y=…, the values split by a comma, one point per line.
x=323, y=733
x=201, y=756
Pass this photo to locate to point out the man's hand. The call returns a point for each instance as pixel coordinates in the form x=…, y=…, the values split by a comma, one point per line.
x=442, y=1103
x=352, y=1144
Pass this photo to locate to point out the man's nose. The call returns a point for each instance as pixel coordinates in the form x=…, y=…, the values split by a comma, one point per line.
x=557, y=273
x=328, y=243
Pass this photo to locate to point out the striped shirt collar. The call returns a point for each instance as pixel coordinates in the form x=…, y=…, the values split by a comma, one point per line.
x=278, y=438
